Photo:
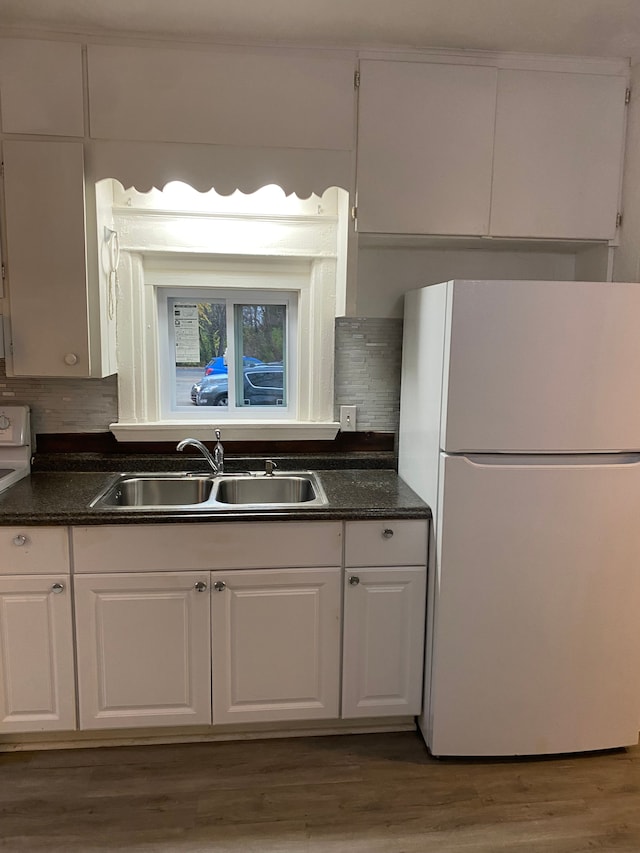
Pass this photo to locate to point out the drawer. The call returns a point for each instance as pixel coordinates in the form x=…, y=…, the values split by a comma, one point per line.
x=167, y=547
x=386, y=543
x=34, y=550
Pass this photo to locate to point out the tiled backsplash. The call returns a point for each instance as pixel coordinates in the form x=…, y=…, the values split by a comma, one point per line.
x=367, y=375
x=64, y=405
x=367, y=371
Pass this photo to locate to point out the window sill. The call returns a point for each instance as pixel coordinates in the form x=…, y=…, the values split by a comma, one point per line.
x=231, y=431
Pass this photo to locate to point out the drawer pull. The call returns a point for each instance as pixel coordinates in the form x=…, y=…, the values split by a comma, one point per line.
x=200, y=586
x=219, y=586
x=387, y=533
x=19, y=540
x=57, y=588
x=354, y=580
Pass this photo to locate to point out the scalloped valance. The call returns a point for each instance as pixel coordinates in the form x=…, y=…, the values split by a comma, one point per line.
x=145, y=165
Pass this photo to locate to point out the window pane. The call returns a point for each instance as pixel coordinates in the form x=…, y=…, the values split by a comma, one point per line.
x=260, y=341
x=200, y=334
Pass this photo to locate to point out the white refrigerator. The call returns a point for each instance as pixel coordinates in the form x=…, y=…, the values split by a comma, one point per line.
x=520, y=426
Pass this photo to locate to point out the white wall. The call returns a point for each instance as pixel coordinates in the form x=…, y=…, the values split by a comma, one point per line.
x=386, y=273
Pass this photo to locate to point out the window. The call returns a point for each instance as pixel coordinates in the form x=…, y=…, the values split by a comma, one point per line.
x=235, y=350
x=226, y=319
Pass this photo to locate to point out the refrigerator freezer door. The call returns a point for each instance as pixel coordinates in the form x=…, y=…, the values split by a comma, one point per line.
x=541, y=366
x=537, y=594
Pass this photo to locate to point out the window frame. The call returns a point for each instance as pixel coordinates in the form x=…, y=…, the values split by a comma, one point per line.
x=139, y=376
x=267, y=294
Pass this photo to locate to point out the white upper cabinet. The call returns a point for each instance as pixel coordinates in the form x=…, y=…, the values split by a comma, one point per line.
x=425, y=143
x=47, y=270
x=222, y=96
x=558, y=154
x=482, y=150
x=41, y=87
x=56, y=327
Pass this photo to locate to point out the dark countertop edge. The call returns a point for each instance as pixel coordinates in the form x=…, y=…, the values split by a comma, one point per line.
x=87, y=519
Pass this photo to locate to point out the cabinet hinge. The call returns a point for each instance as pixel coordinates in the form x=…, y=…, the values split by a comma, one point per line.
x=4, y=272
x=627, y=96
x=618, y=219
x=354, y=213
x=1, y=170
x=356, y=79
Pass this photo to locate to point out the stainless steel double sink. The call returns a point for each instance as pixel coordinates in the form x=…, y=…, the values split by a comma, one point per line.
x=194, y=491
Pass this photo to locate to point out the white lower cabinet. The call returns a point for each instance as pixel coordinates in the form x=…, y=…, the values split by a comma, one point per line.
x=143, y=643
x=152, y=646
x=37, y=686
x=231, y=641
x=384, y=615
x=276, y=644
x=383, y=653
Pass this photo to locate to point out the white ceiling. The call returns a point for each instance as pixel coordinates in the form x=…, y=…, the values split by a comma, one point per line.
x=580, y=27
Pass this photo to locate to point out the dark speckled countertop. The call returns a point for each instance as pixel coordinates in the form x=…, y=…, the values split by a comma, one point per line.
x=62, y=497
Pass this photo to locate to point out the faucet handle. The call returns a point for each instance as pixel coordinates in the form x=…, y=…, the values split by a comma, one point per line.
x=218, y=454
x=269, y=465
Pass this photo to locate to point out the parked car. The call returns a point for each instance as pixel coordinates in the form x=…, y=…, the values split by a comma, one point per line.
x=263, y=386
x=219, y=365
x=195, y=389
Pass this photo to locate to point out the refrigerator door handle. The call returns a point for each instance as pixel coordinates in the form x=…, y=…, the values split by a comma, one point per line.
x=526, y=460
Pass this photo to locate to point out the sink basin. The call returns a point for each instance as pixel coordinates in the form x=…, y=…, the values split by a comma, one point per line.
x=163, y=490
x=279, y=489
x=189, y=492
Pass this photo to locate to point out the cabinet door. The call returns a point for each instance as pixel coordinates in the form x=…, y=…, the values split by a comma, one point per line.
x=425, y=144
x=44, y=197
x=276, y=645
x=222, y=96
x=37, y=690
x=143, y=649
x=558, y=154
x=41, y=87
x=384, y=610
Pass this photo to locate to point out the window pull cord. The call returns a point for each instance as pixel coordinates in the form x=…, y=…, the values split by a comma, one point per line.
x=113, y=248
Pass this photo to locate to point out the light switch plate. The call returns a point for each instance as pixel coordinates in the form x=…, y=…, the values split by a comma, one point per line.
x=348, y=418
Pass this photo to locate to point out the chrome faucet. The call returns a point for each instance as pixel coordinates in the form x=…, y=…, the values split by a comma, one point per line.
x=216, y=461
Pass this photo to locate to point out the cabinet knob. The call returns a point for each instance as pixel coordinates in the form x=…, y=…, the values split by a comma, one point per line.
x=219, y=586
x=387, y=533
x=19, y=540
x=57, y=588
x=71, y=358
x=354, y=580
x=200, y=586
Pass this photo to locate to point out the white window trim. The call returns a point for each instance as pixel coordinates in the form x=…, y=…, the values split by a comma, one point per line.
x=143, y=256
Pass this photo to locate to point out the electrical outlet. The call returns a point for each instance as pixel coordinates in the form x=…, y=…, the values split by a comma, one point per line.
x=348, y=418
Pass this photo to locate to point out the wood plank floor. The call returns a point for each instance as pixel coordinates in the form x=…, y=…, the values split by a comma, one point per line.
x=348, y=794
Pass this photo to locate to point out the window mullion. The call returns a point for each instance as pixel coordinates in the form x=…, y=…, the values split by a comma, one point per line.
x=231, y=354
